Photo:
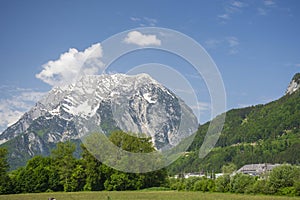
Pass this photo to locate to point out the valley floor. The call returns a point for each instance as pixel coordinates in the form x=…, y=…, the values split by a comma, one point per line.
x=141, y=195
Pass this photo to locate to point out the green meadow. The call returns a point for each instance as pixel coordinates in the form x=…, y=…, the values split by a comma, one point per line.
x=141, y=195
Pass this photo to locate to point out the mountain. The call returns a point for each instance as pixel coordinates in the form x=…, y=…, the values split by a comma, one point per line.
x=267, y=133
x=136, y=104
x=294, y=84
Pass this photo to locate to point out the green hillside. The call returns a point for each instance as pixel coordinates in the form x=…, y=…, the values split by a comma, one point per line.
x=257, y=134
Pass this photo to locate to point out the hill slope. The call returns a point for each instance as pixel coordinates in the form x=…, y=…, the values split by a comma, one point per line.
x=257, y=134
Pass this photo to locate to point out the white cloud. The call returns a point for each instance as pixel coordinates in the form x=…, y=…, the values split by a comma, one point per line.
x=135, y=37
x=268, y=6
x=144, y=21
x=14, y=103
x=150, y=21
x=269, y=3
x=201, y=106
x=232, y=41
x=8, y=116
x=238, y=4
x=224, y=16
x=229, y=44
x=291, y=64
x=231, y=8
x=233, y=44
x=135, y=19
x=72, y=65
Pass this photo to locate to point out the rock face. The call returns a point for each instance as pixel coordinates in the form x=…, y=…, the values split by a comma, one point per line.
x=136, y=104
x=294, y=84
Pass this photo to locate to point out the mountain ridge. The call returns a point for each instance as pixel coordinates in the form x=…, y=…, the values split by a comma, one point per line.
x=137, y=104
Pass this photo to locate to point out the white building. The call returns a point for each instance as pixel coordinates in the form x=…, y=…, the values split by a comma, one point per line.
x=257, y=169
x=188, y=175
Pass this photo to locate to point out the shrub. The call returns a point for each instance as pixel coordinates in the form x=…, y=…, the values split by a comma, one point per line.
x=290, y=191
x=222, y=183
x=283, y=176
x=241, y=183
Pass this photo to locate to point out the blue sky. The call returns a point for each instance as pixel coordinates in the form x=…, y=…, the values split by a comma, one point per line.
x=255, y=44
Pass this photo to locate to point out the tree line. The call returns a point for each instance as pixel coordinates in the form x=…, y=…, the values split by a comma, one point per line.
x=61, y=171
x=282, y=180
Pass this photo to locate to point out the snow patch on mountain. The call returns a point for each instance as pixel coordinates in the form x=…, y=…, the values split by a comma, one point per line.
x=148, y=97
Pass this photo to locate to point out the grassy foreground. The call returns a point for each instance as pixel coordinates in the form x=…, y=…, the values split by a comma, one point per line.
x=140, y=195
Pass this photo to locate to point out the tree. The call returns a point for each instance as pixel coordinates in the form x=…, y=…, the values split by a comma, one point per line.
x=229, y=168
x=190, y=182
x=284, y=176
x=78, y=178
x=5, y=181
x=204, y=184
x=223, y=183
x=260, y=186
x=100, y=176
x=64, y=161
x=138, y=145
x=37, y=176
x=118, y=181
x=131, y=143
x=3, y=161
x=156, y=178
x=94, y=171
x=241, y=183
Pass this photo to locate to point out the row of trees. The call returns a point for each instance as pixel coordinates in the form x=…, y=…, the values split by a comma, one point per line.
x=61, y=171
x=282, y=180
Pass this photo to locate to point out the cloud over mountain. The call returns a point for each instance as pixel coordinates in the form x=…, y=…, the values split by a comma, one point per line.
x=72, y=65
x=14, y=102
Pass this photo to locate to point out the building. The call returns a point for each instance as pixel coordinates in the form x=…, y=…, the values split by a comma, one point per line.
x=257, y=169
x=217, y=175
x=188, y=175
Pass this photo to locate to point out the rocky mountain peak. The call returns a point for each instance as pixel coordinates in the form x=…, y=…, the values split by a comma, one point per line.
x=132, y=103
x=294, y=84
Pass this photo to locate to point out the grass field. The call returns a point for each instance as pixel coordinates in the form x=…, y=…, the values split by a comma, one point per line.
x=141, y=195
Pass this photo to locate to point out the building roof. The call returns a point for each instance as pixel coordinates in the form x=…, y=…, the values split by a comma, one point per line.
x=257, y=169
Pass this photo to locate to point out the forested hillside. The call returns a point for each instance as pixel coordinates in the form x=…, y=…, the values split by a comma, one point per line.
x=257, y=134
